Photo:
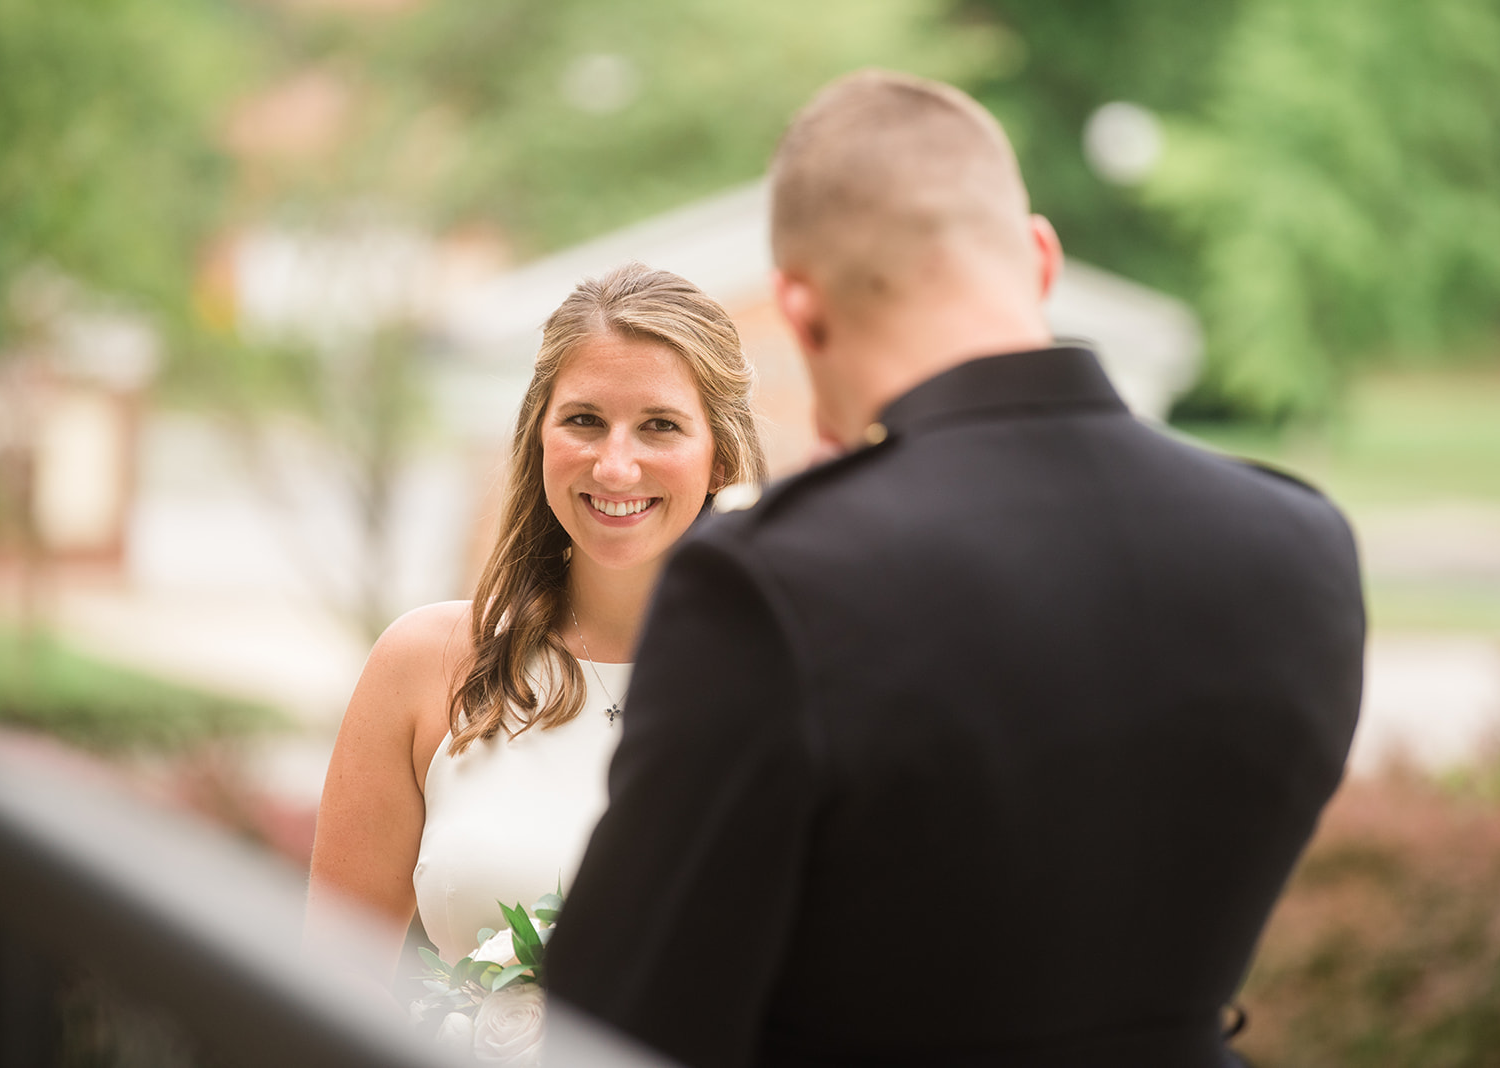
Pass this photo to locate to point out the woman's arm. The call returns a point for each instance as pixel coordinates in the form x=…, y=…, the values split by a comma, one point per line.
x=370, y=818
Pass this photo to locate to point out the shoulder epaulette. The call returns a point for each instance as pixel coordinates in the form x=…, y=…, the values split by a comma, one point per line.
x=790, y=487
x=1278, y=472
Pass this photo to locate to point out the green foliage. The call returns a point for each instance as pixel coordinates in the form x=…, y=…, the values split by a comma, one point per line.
x=1067, y=59
x=46, y=686
x=1326, y=198
x=463, y=987
x=479, y=92
x=548, y=907
x=109, y=172
x=1342, y=186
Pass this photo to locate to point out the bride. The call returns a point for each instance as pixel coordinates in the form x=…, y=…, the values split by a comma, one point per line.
x=470, y=766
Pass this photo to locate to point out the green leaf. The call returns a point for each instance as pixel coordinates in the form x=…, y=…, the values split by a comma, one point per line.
x=433, y=961
x=527, y=954
x=466, y=970
x=547, y=915
x=521, y=929
x=484, y=935
x=552, y=903
x=516, y=973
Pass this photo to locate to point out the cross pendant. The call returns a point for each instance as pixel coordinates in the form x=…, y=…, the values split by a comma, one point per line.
x=612, y=711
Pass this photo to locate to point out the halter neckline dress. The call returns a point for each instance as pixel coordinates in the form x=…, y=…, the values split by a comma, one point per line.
x=508, y=818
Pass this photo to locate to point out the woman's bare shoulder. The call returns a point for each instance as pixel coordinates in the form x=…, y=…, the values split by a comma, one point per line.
x=433, y=634
x=402, y=693
x=413, y=663
x=431, y=629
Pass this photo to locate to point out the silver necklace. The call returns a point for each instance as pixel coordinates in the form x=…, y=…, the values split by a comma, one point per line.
x=614, y=706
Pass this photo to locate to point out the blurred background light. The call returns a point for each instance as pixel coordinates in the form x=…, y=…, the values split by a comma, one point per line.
x=601, y=83
x=1122, y=142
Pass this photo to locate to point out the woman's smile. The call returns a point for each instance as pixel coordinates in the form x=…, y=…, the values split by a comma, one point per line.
x=614, y=509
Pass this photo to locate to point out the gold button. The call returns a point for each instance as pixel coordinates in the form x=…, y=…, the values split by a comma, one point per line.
x=875, y=433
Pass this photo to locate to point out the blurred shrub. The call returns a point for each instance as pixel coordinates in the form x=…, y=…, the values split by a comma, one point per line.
x=1385, y=950
x=46, y=686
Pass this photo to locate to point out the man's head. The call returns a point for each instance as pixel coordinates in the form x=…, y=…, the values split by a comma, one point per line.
x=898, y=212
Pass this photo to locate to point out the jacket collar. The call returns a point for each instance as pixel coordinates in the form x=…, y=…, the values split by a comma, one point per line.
x=1035, y=382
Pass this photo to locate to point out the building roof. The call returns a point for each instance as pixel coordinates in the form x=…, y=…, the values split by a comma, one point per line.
x=720, y=243
x=1149, y=342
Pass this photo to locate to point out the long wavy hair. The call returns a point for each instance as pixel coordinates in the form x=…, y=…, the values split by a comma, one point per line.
x=523, y=588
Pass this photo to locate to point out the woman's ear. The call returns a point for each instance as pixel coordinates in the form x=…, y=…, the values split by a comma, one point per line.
x=803, y=308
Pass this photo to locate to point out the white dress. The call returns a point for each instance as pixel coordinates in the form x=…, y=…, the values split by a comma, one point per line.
x=508, y=819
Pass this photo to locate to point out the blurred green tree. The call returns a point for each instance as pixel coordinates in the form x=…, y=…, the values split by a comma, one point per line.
x=109, y=178
x=1342, y=188
x=1326, y=196
x=557, y=121
x=110, y=174
x=1072, y=57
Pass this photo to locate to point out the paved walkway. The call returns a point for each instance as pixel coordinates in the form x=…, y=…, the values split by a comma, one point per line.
x=1431, y=701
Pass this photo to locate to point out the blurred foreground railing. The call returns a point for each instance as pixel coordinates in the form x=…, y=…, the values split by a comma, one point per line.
x=185, y=919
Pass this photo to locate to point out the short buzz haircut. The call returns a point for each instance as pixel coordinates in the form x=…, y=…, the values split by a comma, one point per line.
x=879, y=169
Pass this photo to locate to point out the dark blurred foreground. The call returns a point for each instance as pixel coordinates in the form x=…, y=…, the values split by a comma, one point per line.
x=133, y=936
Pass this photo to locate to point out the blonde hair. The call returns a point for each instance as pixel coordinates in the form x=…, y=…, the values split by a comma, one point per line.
x=523, y=588
x=878, y=170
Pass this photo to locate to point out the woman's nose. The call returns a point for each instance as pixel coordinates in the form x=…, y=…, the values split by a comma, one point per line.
x=615, y=463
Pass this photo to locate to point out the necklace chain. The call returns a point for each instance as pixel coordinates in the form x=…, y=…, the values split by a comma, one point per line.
x=613, y=710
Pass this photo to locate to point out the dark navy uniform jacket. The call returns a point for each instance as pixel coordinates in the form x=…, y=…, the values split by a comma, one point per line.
x=991, y=744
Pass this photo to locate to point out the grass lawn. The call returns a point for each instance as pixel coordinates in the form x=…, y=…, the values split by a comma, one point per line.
x=1403, y=438
x=45, y=685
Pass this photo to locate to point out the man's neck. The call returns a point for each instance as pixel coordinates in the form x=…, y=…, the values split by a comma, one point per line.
x=903, y=350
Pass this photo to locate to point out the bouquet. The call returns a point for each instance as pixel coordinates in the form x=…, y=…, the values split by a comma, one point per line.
x=490, y=1003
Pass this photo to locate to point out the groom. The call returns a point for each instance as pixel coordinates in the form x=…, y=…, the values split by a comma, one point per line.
x=993, y=741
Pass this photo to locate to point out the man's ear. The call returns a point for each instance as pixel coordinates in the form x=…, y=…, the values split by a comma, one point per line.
x=1049, y=253
x=803, y=308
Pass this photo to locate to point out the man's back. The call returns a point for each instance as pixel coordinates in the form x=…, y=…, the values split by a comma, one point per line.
x=1032, y=710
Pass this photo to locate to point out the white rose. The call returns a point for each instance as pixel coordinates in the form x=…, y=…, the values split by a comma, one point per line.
x=501, y=949
x=456, y=1031
x=508, y=1026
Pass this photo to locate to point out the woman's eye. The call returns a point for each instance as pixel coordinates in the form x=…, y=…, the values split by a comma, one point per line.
x=583, y=419
x=661, y=424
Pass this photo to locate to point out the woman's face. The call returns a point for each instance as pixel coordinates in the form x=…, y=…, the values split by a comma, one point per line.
x=627, y=453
